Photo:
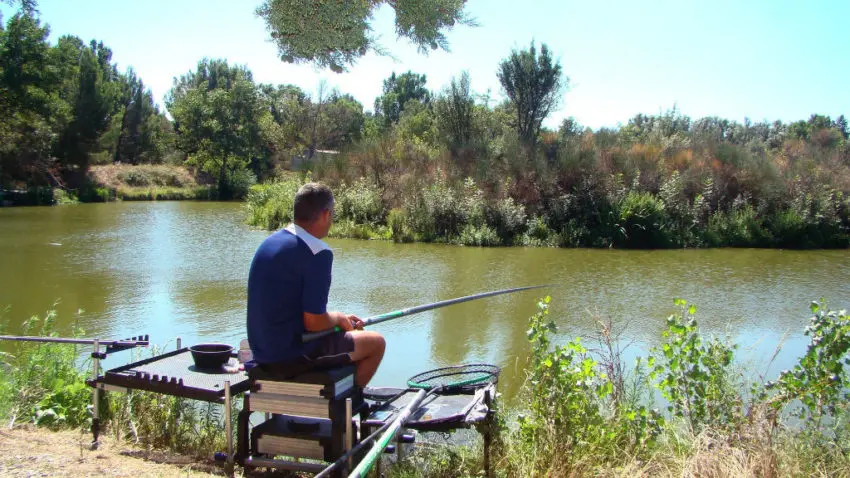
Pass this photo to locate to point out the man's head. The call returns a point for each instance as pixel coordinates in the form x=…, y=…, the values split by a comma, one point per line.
x=314, y=205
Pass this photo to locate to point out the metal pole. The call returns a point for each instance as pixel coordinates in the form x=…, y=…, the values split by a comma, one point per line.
x=349, y=436
x=228, y=427
x=95, y=396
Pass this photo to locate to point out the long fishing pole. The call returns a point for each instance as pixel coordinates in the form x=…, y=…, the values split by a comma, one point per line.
x=310, y=336
x=60, y=340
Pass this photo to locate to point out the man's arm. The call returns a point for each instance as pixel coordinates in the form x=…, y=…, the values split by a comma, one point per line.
x=329, y=320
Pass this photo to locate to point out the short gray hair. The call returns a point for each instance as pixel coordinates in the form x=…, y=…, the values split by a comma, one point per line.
x=311, y=200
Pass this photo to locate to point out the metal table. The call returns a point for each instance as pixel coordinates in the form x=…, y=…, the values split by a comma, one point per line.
x=175, y=374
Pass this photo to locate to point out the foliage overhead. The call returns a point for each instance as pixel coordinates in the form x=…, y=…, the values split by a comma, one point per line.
x=335, y=34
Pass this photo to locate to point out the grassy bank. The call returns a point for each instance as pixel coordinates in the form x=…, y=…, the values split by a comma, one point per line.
x=581, y=413
x=146, y=183
x=121, y=182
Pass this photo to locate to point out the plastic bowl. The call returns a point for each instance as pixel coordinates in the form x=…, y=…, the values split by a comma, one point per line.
x=210, y=355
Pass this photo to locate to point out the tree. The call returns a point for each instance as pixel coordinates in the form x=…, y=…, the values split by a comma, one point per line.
x=533, y=84
x=339, y=123
x=33, y=114
x=27, y=6
x=217, y=112
x=454, y=111
x=89, y=89
x=398, y=90
x=335, y=34
x=143, y=132
x=842, y=126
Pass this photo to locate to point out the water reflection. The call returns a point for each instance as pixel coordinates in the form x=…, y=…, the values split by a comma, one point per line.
x=180, y=269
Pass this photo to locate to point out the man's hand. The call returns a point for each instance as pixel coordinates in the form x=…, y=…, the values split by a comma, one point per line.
x=349, y=322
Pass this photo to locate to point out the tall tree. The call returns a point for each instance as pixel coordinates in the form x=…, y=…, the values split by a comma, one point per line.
x=454, y=111
x=33, y=114
x=216, y=111
x=398, y=90
x=338, y=122
x=89, y=89
x=533, y=83
x=335, y=34
x=141, y=125
x=842, y=126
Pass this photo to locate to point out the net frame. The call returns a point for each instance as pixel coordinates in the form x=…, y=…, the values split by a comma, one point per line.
x=466, y=376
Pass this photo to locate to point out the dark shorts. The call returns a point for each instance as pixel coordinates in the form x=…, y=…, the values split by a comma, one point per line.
x=331, y=351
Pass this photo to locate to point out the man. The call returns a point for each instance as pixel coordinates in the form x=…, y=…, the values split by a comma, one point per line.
x=288, y=288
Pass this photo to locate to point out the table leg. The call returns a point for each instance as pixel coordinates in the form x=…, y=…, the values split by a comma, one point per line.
x=95, y=398
x=228, y=428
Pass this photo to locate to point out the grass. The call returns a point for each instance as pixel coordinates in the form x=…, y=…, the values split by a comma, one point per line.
x=151, y=182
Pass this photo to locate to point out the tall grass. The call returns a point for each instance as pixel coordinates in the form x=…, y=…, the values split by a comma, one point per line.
x=41, y=383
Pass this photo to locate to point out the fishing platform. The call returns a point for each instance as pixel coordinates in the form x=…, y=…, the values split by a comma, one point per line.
x=317, y=422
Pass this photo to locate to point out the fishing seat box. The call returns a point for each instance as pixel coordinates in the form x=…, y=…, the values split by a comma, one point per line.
x=307, y=412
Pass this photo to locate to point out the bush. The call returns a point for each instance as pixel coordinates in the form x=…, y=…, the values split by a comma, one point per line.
x=741, y=227
x=507, y=218
x=696, y=375
x=478, y=236
x=270, y=206
x=238, y=184
x=642, y=222
x=397, y=223
x=361, y=202
x=538, y=234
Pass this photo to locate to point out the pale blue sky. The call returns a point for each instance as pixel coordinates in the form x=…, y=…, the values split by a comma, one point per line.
x=765, y=59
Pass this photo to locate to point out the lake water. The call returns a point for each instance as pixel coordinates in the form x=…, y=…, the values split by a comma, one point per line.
x=172, y=269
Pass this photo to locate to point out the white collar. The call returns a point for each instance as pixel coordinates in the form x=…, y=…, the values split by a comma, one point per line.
x=315, y=244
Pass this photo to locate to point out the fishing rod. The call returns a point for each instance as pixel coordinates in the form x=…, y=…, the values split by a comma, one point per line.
x=134, y=342
x=310, y=336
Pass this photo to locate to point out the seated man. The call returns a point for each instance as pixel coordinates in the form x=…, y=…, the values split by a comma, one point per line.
x=288, y=287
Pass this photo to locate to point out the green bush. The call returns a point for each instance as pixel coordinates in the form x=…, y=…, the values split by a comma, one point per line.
x=270, y=206
x=91, y=193
x=741, y=227
x=397, y=223
x=642, y=222
x=478, y=236
x=63, y=197
x=818, y=384
x=538, y=234
x=360, y=202
x=507, y=218
x=696, y=375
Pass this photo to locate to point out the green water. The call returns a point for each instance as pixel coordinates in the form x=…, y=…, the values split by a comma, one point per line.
x=179, y=269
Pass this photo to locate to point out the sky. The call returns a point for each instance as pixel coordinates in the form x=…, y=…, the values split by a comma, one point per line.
x=761, y=59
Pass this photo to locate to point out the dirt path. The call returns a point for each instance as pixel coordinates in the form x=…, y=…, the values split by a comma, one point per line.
x=39, y=452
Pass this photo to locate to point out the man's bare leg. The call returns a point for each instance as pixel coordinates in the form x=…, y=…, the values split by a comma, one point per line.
x=368, y=351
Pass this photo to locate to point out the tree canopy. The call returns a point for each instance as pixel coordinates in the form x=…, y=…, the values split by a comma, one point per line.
x=335, y=34
x=398, y=90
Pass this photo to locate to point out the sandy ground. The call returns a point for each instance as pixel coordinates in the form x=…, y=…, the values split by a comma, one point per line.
x=39, y=452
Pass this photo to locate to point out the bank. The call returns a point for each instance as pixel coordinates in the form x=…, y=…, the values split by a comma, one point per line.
x=119, y=182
